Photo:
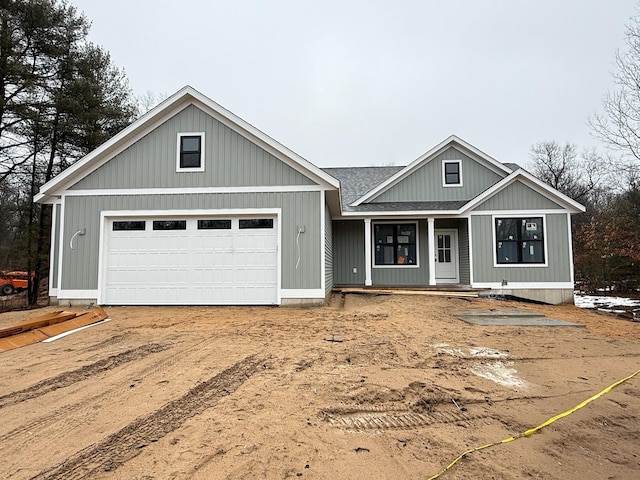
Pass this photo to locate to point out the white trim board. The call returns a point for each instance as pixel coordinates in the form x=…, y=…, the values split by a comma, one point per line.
x=64, y=294
x=302, y=293
x=194, y=190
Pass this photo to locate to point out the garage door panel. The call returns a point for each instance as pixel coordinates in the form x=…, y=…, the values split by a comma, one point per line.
x=192, y=266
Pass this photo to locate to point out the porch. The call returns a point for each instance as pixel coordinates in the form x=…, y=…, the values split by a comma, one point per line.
x=407, y=252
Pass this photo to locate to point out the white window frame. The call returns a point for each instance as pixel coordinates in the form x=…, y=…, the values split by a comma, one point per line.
x=202, y=151
x=444, y=175
x=494, y=244
x=373, y=243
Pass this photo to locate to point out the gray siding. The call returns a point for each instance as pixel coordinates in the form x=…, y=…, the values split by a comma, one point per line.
x=55, y=245
x=425, y=184
x=557, y=253
x=348, y=248
x=389, y=276
x=80, y=266
x=230, y=160
x=463, y=247
x=328, y=251
x=517, y=196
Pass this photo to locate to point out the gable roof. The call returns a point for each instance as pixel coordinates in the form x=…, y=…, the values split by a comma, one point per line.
x=452, y=140
x=532, y=182
x=159, y=114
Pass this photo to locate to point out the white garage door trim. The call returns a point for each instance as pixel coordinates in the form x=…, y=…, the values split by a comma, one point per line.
x=106, y=216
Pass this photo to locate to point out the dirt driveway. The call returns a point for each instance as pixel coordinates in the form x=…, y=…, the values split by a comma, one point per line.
x=366, y=387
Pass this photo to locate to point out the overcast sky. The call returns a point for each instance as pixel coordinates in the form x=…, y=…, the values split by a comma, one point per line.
x=346, y=83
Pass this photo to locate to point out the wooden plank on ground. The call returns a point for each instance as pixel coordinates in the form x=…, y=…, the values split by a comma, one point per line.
x=83, y=320
x=36, y=322
x=21, y=340
x=442, y=293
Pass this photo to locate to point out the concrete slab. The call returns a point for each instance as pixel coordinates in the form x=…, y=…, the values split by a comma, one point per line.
x=477, y=316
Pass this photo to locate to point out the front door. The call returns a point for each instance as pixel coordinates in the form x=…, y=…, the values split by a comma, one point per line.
x=447, y=256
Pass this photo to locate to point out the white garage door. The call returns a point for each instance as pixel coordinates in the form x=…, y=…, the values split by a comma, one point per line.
x=191, y=261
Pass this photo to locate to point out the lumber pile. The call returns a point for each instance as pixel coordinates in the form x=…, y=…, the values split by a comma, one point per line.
x=37, y=329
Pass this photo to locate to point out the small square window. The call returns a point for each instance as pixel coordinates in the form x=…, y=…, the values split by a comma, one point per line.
x=190, y=152
x=452, y=173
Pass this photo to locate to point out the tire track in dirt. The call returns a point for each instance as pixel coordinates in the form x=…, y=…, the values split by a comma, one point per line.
x=69, y=378
x=70, y=417
x=127, y=443
x=382, y=418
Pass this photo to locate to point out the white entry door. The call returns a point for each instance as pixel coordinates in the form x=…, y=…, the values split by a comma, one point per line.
x=446, y=256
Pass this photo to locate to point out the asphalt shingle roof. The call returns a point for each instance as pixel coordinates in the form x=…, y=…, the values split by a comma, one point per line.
x=356, y=181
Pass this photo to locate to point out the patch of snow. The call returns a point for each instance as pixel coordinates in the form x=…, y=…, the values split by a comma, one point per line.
x=486, y=352
x=482, y=352
x=500, y=373
x=595, y=301
x=454, y=352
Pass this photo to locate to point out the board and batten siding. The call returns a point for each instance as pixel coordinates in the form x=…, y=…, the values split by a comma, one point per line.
x=517, y=196
x=328, y=251
x=401, y=275
x=348, y=247
x=80, y=265
x=557, y=253
x=464, y=267
x=425, y=183
x=230, y=160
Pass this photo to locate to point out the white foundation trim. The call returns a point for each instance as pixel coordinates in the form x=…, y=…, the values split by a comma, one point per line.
x=302, y=293
x=77, y=294
x=523, y=285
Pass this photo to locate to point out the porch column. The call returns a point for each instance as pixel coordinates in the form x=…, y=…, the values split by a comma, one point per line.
x=431, y=249
x=367, y=252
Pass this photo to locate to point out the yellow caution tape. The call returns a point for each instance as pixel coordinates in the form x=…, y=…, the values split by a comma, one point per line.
x=531, y=431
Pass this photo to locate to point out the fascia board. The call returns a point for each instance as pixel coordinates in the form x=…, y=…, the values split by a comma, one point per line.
x=158, y=115
x=529, y=180
x=492, y=163
x=401, y=213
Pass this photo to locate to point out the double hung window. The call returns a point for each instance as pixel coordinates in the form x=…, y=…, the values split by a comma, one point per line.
x=190, y=152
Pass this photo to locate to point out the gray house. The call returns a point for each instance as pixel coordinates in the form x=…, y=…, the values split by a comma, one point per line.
x=192, y=205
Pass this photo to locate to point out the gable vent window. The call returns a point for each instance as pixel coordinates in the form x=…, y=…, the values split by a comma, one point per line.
x=452, y=173
x=190, y=152
x=520, y=240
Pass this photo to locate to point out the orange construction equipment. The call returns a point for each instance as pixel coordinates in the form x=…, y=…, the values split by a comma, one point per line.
x=12, y=282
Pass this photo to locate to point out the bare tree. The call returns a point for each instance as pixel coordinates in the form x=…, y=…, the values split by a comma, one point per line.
x=619, y=123
x=560, y=166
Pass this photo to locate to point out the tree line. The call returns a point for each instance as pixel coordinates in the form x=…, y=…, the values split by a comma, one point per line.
x=60, y=97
